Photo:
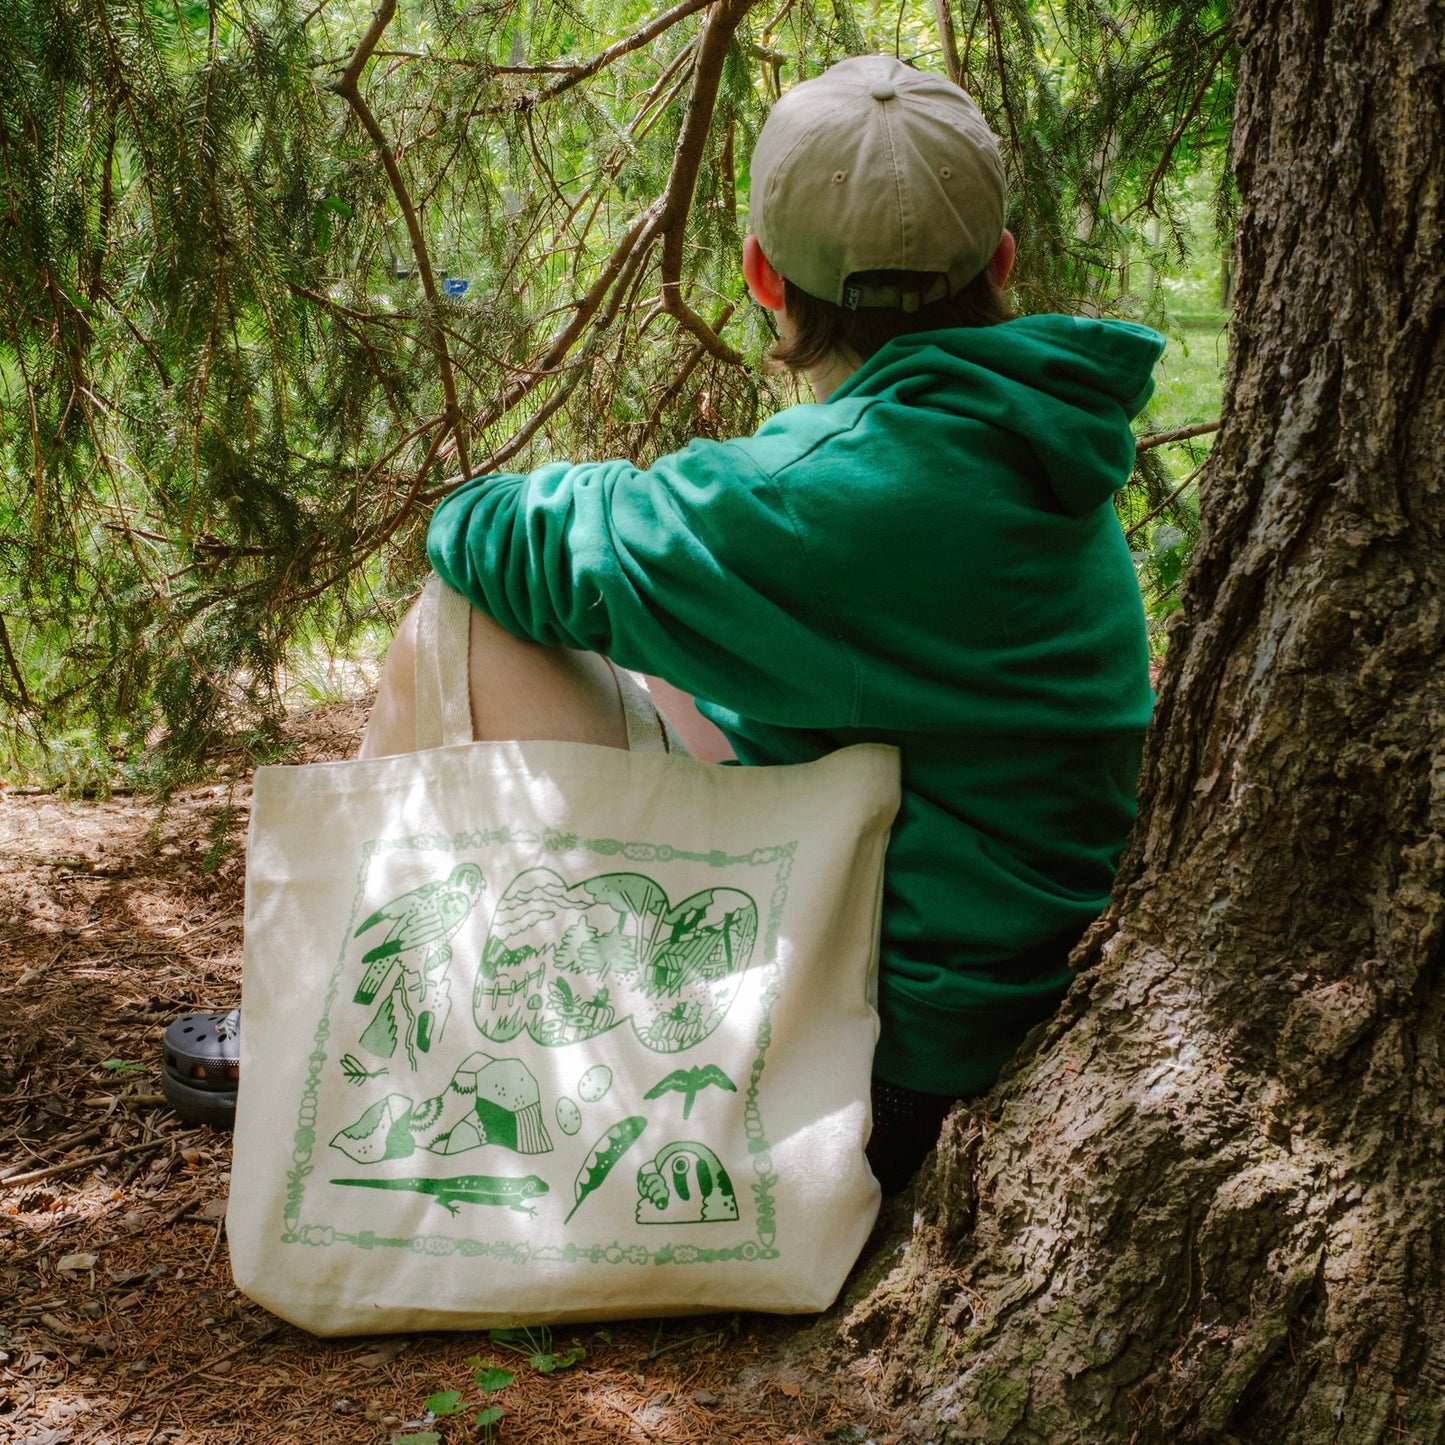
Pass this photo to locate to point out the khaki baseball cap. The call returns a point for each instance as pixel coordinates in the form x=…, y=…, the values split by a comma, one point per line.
x=875, y=166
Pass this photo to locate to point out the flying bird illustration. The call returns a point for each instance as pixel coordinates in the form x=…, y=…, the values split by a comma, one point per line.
x=408, y=968
x=691, y=1082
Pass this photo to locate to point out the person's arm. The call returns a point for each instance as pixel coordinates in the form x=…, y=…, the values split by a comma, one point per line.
x=689, y=571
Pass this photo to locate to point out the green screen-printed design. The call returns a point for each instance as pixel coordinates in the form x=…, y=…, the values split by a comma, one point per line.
x=627, y=955
x=689, y=1083
x=566, y=963
x=603, y=1157
x=591, y=1087
x=357, y=1073
x=489, y=1101
x=508, y=1191
x=407, y=970
x=685, y=1184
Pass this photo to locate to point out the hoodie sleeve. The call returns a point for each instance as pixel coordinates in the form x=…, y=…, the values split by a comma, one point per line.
x=672, y=570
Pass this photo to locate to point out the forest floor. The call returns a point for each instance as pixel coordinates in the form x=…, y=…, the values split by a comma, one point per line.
x=119, y=1320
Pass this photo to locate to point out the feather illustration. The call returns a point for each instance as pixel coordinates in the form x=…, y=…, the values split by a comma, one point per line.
x=605, y=1154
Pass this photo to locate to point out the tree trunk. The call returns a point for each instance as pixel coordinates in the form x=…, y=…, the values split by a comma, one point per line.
x=1208, y=1203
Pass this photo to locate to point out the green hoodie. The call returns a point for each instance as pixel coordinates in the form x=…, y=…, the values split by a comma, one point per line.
x=930, y=558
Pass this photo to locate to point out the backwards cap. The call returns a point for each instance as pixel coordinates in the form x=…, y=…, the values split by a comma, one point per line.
x=875, y=166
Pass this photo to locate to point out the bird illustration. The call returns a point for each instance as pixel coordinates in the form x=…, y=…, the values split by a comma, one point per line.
x=407, y=969
x=689, y=1082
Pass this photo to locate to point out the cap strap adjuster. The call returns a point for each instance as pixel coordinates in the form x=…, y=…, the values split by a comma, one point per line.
x=895, y=298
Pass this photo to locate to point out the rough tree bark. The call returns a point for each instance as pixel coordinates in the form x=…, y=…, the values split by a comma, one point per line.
x=1208, y=1204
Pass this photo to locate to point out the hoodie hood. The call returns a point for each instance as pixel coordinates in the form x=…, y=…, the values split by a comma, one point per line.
x=1067, y=385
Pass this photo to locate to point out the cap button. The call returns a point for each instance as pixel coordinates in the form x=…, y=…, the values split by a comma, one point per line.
x=883, y=91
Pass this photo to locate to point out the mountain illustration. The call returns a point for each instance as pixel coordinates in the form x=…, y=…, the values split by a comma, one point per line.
x=569, y=961
x=488, y=1101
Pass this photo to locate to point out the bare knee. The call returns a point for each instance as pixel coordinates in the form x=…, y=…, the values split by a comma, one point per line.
x=518, y=689
x=522, y=690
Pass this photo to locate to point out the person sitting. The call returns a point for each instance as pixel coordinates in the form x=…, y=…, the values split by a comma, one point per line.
x=926, y=555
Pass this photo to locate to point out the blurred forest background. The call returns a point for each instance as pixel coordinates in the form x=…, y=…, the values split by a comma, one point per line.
x=274, y=276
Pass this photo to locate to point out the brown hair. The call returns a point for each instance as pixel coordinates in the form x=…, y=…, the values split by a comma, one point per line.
x=822, y=330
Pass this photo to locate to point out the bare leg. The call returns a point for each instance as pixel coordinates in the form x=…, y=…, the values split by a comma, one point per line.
x=519, y=690
x=699, y=736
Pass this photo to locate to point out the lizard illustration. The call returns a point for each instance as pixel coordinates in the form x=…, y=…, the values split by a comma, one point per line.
x=510, y=1191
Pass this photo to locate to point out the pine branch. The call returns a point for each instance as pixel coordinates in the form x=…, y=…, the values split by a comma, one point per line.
x=346, y=86
x=21, y=691
x=1191, y=110
x=713, y=43
x=574, y=75
x=1164, y=505
x=1183, y=433
x=678, y=384
x=645, y=36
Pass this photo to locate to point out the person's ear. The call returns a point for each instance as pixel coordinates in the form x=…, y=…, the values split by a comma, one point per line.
x=763, y=281
x=1003, y=259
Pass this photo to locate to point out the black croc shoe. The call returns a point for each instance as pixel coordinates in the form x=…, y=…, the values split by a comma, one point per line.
x=202, y=1063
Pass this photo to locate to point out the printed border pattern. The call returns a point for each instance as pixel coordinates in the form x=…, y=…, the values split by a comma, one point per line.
x=507, y=1252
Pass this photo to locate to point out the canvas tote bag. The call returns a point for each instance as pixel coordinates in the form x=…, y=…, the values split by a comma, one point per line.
x=543, y=1032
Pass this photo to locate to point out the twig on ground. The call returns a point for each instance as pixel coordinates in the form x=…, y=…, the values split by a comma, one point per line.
x=656, y=1354
x=70, y=1165
x=218, y=1359
x=631, y=1415
x=216, y=1242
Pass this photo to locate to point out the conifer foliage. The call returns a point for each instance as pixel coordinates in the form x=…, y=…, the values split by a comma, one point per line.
x=273, y=276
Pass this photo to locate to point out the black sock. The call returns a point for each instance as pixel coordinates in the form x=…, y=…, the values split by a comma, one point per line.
x=905, y=1128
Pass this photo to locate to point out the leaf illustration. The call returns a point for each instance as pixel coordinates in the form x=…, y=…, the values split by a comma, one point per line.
x=355, y=1071
x=605, y=1153
x=691, y=1082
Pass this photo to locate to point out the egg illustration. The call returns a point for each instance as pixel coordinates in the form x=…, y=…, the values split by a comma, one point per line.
x=594, y=1083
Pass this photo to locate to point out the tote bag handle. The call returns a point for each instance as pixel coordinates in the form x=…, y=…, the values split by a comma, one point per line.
x=443, y=689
